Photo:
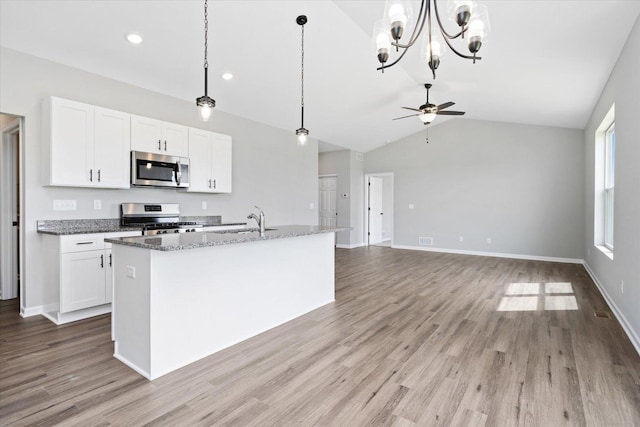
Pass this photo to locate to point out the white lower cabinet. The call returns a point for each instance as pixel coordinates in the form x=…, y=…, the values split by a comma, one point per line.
x=83, y=281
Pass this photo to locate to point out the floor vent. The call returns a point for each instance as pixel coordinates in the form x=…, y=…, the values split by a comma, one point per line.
x=602, y=314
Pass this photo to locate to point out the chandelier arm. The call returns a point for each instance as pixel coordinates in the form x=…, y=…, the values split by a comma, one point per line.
x=461, y=55
x=444, y=32
x=394, y=62
x=416, y=31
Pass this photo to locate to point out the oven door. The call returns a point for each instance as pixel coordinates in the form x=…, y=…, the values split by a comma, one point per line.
x=158, y=170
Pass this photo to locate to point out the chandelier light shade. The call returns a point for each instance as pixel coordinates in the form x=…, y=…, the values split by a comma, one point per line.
x=397, y=29
x=205, y=103
x=301, y=132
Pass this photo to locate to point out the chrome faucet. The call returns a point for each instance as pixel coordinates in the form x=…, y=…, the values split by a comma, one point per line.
x=259, y=219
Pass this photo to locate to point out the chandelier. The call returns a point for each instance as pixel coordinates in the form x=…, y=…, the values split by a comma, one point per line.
x=470, y=16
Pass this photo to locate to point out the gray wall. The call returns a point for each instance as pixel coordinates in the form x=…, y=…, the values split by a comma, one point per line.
x=623, y=89
x=521, y=186
x=269, y=169
x=349, y=167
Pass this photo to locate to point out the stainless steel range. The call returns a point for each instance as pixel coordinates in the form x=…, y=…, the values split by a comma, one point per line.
x=156, y=218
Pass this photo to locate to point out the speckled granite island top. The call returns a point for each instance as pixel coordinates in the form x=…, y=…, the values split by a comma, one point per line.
x=178, y=242
x=112, y=225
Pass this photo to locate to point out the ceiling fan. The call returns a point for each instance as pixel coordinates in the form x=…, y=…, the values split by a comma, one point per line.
x=427, y=112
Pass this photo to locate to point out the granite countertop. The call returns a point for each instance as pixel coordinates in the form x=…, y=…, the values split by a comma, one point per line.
x=178, y=242
x=112, y=225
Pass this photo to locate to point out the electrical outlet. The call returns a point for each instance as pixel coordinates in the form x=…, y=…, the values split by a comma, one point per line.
x=411, y=206
x=488, y=240
x=425, y=241
x=97, y=205
x=461, y=239
x=64, y=205
x=204, y=205
x=131, y=271
x=311, y=205
x=622, y=286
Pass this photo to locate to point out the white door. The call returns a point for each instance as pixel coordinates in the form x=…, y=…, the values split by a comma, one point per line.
x=146, y=135
x=82, y=280
x=112, y=147
x=375, y=210
x=327, y=203
x=71, y=143
x=221, y=163
x=200, y=160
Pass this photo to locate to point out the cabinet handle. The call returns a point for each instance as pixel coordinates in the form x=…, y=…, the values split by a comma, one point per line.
x=102, y=261
x=91, y=175
x=98, y=175
x=209, y=183
x=110, y=260
x=159, y=145
x=214, y=183
x=165, y=145
x=84, y=243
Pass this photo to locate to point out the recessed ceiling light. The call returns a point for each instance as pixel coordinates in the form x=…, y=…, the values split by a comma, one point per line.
x=227, y=76
x=134, y=38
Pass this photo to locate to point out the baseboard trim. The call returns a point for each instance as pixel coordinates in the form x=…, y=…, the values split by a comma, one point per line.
x=356, y=245
x=31, y=311
x=626, y=326
x=491, y=254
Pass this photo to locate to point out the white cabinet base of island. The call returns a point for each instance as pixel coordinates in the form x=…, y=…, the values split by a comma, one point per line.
x=174, y=307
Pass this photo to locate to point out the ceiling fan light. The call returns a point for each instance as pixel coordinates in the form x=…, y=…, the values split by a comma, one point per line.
x=427, y=117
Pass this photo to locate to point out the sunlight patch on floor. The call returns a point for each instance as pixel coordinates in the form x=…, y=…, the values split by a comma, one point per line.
x=528, y=295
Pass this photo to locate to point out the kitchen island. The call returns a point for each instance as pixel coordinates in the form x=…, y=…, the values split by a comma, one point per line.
x=181, y=297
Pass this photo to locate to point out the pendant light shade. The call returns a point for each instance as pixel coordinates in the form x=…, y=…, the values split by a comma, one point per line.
x=205, y=103
x=301, y=132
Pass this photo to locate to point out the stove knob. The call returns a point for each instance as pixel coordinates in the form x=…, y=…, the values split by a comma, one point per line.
x=176, y=231
x=193, y=230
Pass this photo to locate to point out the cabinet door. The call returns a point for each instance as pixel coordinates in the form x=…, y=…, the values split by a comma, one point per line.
x=112, y=143
x=82, y=280
x=146, y=135
x=221, y=163
x=200, y=160
x=175, y=139
x=71, y=143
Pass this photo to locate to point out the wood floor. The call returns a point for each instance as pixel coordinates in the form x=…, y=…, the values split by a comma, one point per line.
x=413, y=339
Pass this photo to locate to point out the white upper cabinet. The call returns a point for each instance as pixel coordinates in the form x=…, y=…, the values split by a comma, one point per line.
x=112, y=148
x=155, y=136
x=85, y=146
x=210, y=162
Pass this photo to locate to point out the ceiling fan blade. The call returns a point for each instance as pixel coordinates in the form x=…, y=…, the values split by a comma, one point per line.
x=450, y=113
x=404, y=117
x=412, y=109
x=445, y=105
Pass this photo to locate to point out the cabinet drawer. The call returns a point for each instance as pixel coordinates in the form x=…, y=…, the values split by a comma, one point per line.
x=81, y=242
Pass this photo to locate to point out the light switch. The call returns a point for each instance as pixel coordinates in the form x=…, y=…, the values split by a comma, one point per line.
x=131, y=271
x=204, y=205
x=97, y=204
x=311, y=205
x=411, y=206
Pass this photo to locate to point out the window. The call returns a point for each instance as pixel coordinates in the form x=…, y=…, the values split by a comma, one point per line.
x=604, y=168
x=609, y=183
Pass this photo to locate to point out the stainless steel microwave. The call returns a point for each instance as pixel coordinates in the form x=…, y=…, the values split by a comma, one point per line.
x=159, y=170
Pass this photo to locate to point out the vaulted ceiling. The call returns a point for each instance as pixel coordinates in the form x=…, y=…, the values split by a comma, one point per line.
x=545, y=62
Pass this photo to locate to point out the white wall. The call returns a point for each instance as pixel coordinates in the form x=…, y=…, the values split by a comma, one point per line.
x=269, y=169
x=521, y=186
x=623, y=89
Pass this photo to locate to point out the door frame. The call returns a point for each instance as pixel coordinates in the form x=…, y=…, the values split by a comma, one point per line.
x=366, y=204
x=13, y=128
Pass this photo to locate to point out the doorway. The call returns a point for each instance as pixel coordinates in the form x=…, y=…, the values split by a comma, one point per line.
x=327, y=193
x=378, y=222
x=10, y=206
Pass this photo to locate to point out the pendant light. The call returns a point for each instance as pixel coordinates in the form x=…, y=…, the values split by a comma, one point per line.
x=302, y=132
x=205, y=103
